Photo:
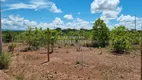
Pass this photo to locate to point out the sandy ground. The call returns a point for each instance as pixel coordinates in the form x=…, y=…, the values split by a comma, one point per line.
x=69, y=64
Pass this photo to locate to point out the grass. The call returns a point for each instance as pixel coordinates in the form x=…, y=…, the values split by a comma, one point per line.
x=5, y=59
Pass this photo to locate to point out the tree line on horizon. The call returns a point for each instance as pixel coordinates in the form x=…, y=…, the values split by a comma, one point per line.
x=120, y=39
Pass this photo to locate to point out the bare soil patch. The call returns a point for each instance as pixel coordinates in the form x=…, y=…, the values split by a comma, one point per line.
x=69, y=64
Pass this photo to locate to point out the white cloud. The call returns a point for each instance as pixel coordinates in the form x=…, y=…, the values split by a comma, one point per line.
x=80, y=23
x=129, y=21
x=57, y=21
x=109, y=8
x=55, y=9
x=36, y=5
x=68, y=16
x=76, y=23
x=22, y=6
x=19, y=23
x=103, y=5
x=111, y=14
x=16, y=23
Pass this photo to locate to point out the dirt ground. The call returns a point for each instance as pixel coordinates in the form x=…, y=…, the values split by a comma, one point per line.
x=69, y=64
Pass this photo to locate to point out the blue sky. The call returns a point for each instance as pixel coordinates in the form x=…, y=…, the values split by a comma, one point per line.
x=17, y=15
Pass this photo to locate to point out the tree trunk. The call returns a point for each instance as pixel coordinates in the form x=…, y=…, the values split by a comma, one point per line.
x=48, y=46
x=0, y=31
x=52, y=47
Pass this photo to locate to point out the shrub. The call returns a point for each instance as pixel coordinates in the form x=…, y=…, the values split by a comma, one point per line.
x=33, y=38
x=135, y=37
x=100, y=34
x=120, y=40
x=8, y=36
x=4, y=60
x=11, y=47
x=27, y=49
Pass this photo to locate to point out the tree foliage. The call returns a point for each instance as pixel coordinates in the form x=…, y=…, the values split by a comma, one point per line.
x=8, y=36
x=120, y=39
x=33, y=37
x=100, y=34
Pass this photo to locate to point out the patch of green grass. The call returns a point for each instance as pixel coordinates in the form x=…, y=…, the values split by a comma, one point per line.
x=5, y=59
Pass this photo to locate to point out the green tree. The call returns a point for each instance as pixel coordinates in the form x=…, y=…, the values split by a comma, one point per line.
x=28, y=36
x=120, y=40
x=33, y=38
x=100, y=34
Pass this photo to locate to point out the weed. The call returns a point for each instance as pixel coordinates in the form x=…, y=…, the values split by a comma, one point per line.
x=4, y=60
x=11, y=47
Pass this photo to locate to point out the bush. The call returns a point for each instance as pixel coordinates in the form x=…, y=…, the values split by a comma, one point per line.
x=11, y=47
x=33, y=38
x=4, y=60
x=100, y=34
x=8, y=36
x=135, y=37
x=120, y=40
x=26, y=49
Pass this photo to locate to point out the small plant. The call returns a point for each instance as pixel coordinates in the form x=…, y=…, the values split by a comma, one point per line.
x=100, y=50
x=11, y=47
x=27, y=49
x=4, y=60
x=77, y=62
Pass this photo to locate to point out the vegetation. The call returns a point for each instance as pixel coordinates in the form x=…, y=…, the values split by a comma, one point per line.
x=11, y=47
x=120, y=40
x=100, y=34
x=4, y=60
x=31, y=39
x=8, y=36
x=135, y=37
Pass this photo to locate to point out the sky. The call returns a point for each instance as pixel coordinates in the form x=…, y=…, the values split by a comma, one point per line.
x=19, y=14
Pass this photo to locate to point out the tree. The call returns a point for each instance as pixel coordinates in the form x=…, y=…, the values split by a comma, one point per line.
x=0, y=31
x=33, y=38
x=58, y=29
x=53, y=39
x=100, y=34
x=28, y=36
x=120, y=40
